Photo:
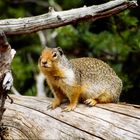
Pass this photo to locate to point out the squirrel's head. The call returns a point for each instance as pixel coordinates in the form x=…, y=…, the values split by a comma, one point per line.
x=50, y=57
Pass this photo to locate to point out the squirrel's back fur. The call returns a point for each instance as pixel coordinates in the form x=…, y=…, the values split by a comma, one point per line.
x=98, y=76
x=89, y=79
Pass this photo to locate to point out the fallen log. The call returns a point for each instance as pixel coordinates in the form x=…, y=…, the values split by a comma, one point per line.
x=29, y=118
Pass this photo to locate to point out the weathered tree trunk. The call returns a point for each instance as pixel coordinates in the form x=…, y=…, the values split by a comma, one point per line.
x=55, y=19
x=28, y=118
x=5, y=62
x=6, y=80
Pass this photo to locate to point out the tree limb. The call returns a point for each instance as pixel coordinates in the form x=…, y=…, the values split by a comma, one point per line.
x=6, y=79
x=55, y=19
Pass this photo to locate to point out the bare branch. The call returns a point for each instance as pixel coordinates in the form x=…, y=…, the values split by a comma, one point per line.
x=40, y=78
x=14, y=91
x=55, y=19
x=42, y=38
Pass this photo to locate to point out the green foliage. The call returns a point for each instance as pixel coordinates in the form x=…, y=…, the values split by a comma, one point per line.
x=126, y=81
x=70, y=3
x=24, y=68
x=67, y=37
x=114, y=40
x=24, y=64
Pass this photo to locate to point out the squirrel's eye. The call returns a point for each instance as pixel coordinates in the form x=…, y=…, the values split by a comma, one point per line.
x=54, y=55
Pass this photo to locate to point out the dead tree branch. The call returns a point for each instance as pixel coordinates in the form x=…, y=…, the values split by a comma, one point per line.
x=55, y=19
x=6, y=80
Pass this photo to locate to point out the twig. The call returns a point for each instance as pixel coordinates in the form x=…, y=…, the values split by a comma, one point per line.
x=42, y=38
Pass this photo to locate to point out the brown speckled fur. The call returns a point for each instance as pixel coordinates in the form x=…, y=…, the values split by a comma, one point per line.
x=94, y=81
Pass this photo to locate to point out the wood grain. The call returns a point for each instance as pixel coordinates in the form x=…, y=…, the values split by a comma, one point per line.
x=29, y=118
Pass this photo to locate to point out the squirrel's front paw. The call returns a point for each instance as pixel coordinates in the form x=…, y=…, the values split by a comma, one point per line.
x=49, y=107
x=70, y=107
x=53, y=105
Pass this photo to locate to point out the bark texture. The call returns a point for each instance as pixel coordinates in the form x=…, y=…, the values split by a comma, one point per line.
x=6, y=80
x=55, y=19
x=5, y=61
x=29, y=118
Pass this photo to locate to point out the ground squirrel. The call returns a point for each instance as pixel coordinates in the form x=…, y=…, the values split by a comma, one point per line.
x=88, y=79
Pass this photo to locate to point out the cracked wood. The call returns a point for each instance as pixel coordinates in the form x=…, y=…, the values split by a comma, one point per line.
x=32, y=120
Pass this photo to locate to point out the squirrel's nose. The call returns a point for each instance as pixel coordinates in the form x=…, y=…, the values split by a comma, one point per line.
x=44, y=62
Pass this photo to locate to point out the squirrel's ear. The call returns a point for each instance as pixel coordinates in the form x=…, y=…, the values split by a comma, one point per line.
x=60, y=50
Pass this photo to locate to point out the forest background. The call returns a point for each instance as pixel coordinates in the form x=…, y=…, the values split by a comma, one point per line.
x=115, y=40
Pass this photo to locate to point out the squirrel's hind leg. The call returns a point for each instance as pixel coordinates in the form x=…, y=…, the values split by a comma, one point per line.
x=90, y=102
x=104, y=97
